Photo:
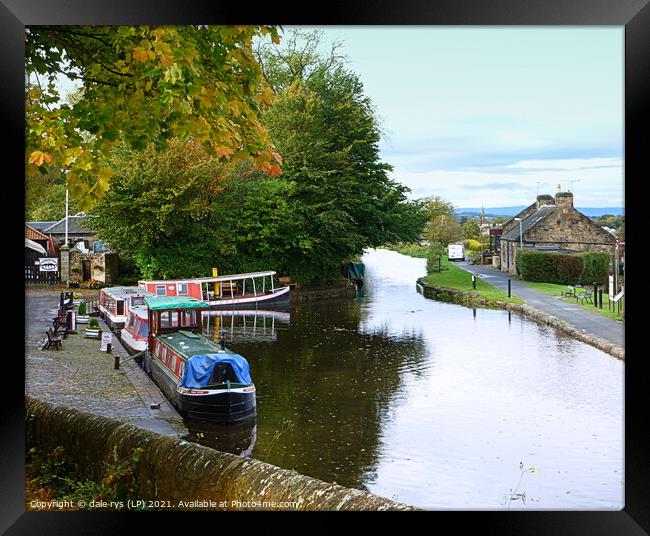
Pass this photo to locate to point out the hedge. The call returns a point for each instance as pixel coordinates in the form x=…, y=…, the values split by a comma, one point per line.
x=596, y=268
x=563, y=268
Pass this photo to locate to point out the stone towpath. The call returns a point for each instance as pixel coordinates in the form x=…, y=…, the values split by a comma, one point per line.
x=582, y=319
x=82, y=377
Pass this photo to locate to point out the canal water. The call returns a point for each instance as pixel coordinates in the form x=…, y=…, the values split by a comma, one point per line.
x=431, y=404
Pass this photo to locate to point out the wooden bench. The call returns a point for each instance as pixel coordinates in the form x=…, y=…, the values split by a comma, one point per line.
x=585, y=295
x=52, y=340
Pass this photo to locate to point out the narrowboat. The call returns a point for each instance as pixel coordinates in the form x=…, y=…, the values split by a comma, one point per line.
x=135, y=333
x=115, y=302
x=203, y=380
x=226, y=291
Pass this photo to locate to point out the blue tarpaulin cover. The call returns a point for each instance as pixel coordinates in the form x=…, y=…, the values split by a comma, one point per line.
x=198, y=369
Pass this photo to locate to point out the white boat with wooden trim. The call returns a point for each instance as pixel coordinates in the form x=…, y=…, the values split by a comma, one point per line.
x=135, y=333
x=115, y=302
x=204, y=380
x=253, y=289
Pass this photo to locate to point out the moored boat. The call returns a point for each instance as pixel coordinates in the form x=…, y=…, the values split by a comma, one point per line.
x=204, y=380
x=135, y=333
x=115, y=303
x=252, y=289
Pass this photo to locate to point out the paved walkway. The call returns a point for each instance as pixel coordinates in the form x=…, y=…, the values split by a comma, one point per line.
x=82, y=377
x=582, y=319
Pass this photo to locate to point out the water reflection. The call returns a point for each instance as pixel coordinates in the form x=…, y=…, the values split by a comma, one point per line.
x=238, y=438
x=430, y=403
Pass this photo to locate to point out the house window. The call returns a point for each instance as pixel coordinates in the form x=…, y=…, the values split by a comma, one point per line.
x=160, y=290
x=182, y=288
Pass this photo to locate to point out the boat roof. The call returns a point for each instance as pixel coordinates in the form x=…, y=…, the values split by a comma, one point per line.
x=160, y=303
x=188, y=344
x=140, y=311
x=122, y=292
x=213, y=279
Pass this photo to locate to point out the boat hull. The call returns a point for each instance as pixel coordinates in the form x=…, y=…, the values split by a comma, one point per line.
x=282, y=296
x=203, y=405
x=228, y=406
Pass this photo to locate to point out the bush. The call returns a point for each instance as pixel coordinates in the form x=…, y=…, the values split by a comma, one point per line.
x=596, y=268
x=545, y=267
x=583, y=268
x=93, y=323
x=474, y=245
x=81, y=310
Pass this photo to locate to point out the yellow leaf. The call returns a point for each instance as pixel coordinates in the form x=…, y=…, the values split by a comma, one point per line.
x=223, y=151
x=140, y=54
x=37, y=158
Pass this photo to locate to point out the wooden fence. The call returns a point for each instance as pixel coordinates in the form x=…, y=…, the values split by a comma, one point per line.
x=33, y=276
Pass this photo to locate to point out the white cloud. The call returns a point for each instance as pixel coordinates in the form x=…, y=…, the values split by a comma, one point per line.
x=592, y=186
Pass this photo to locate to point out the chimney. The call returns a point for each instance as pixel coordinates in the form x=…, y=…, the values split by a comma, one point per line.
x=545, y=200
x=564, y=199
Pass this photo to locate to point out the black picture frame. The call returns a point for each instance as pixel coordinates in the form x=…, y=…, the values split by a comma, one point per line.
x=633, y=14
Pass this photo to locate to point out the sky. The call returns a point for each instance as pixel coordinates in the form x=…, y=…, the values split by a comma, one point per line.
x=490, y=116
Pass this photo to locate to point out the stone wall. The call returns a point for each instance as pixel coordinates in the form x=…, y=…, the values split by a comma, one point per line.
x=103, y=266
x=471, y=299
x=572, y=230
x=172, y=469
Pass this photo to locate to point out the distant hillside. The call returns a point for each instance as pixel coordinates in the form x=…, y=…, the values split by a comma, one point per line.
x=511, y=211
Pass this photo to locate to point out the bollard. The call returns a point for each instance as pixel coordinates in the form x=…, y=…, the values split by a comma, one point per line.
x=108, y=348
x=116, y=366
x=600, y=297
x=474, y=281
x=509, y=289
x=595, y=295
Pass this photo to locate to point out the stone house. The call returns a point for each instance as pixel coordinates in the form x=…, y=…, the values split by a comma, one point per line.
x=552, y=224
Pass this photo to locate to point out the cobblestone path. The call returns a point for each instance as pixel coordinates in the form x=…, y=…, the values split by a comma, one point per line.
x=82, y=377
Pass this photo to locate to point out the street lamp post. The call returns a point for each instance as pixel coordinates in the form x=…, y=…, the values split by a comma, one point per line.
x=521, y=233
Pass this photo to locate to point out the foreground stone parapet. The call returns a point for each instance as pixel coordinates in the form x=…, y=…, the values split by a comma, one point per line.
x=175, y=470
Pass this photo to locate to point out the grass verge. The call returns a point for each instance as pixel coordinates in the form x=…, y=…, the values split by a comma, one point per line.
x=553, y=289
x=455, y=278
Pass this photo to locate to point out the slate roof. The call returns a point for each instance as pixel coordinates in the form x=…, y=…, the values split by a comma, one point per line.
x=40, y=225
x=75, y=226
x=540, y=214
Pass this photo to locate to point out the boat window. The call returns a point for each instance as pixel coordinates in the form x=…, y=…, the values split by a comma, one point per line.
x=137, y=300
x=120, y=307
x=161, y=290
x=182, y=288
x=164, y=320
x=143, y=330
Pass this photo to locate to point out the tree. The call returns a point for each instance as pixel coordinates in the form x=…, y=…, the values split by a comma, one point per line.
x=471, y=230
x=442, y=225
x=159, y=206
x=142, y=85
x=325, y=129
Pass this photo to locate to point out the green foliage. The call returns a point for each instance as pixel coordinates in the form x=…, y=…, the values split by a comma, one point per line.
x=471, y=230
x=549, y=267
x=60, y=475
x=142, y=85
x=179, y=213
x=436, y=251
x=325, y=129
x=473, y=245
x=596, y=268
x=442, y=225
x=93, y=323
x=81, y=310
